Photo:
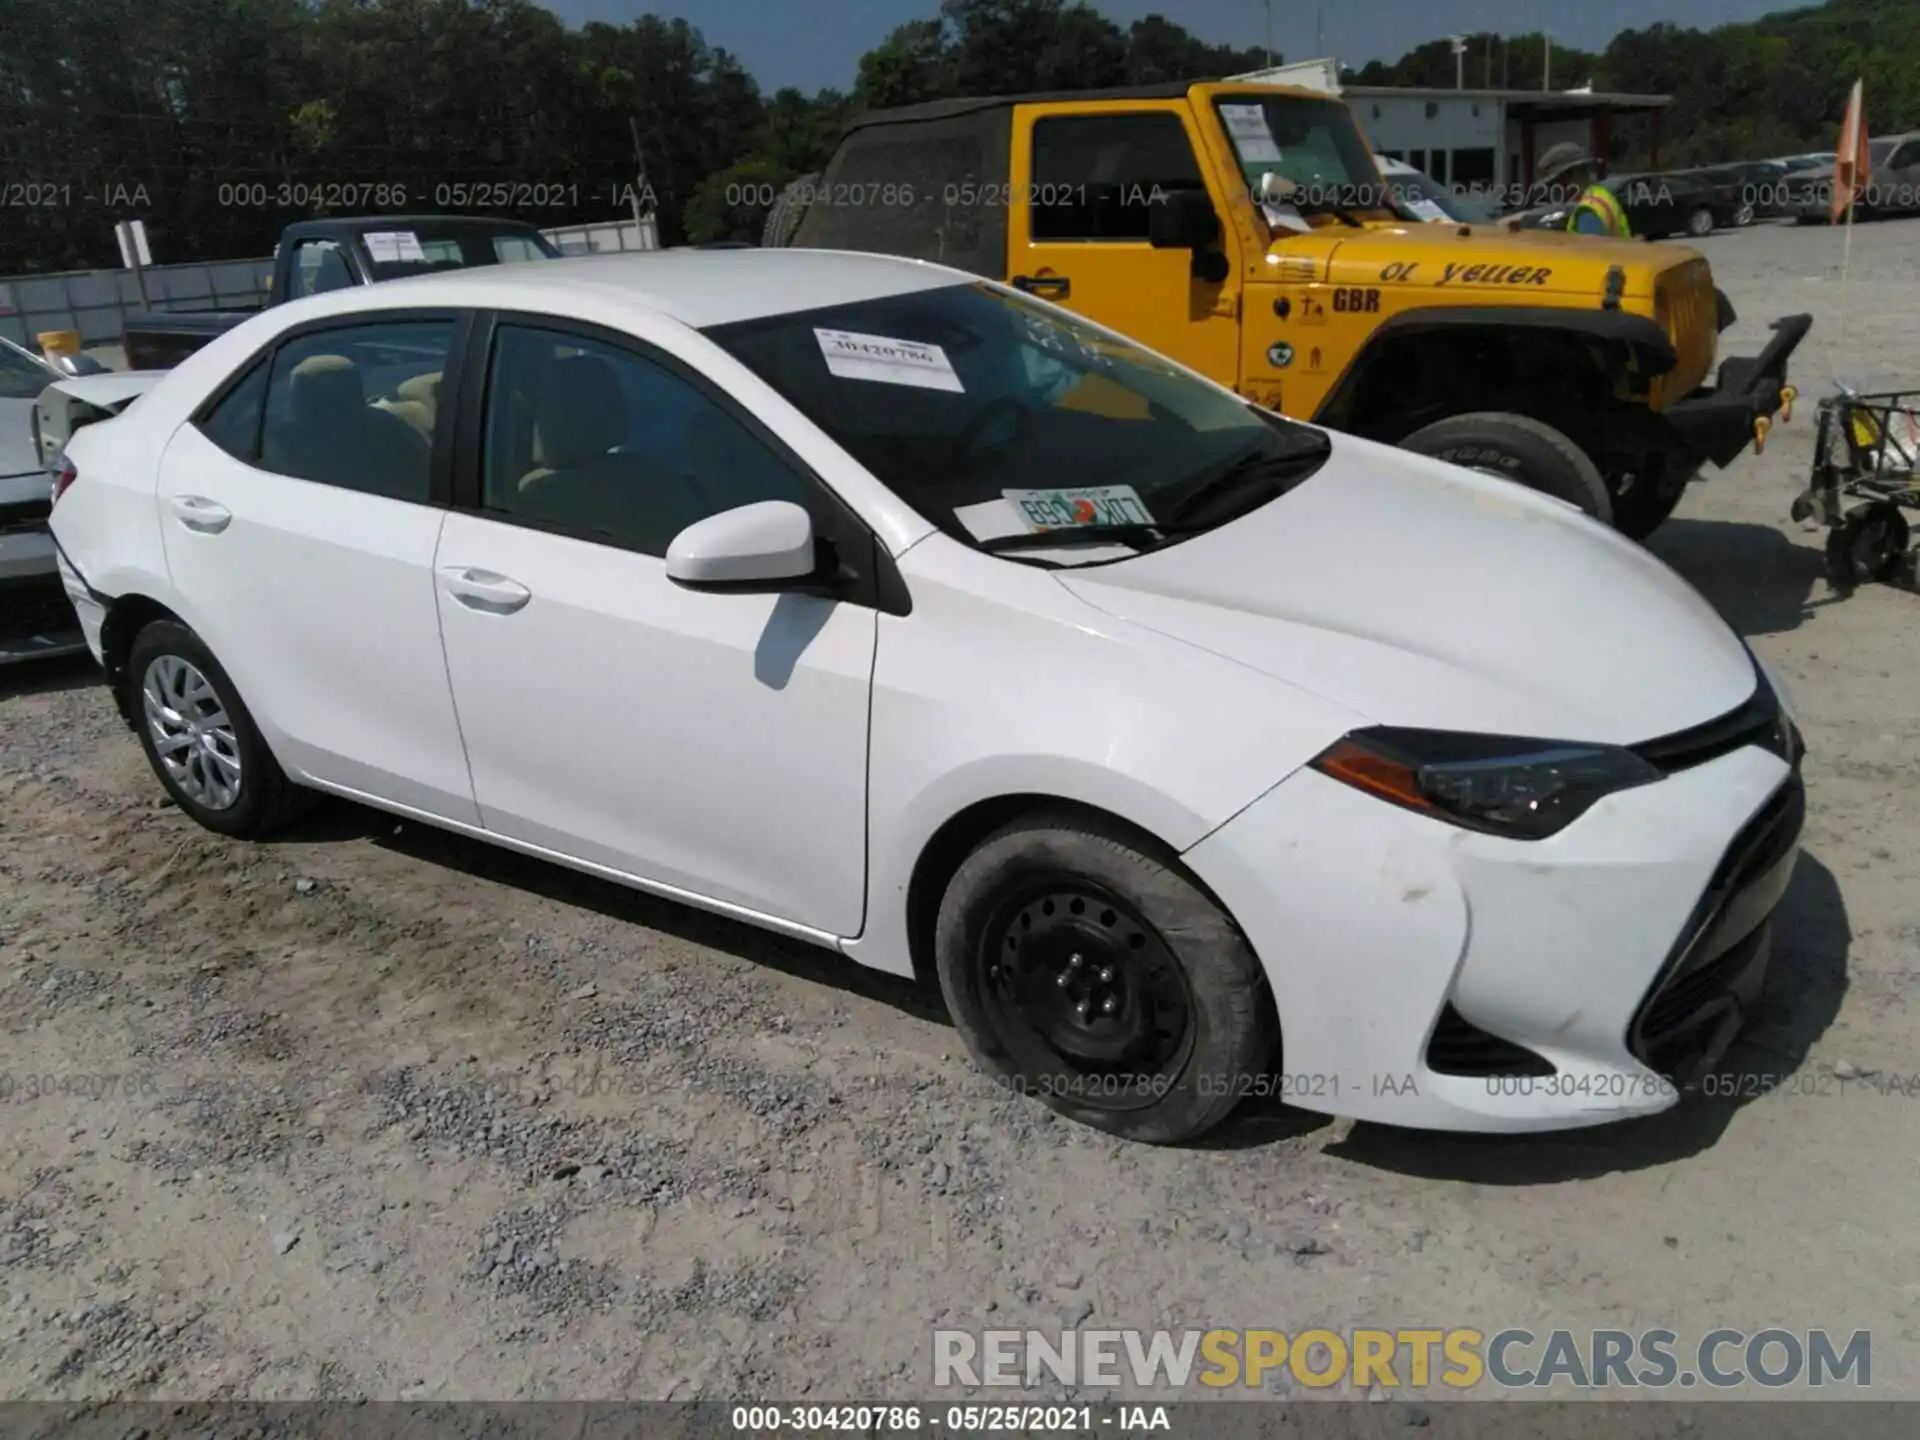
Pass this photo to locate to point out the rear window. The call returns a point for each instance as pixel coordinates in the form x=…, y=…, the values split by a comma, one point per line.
x=424, y=249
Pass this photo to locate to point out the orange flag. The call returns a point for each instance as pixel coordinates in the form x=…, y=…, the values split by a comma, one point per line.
x=1852, y=168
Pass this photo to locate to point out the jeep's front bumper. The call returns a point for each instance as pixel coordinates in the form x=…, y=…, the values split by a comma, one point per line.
x=1717, y=422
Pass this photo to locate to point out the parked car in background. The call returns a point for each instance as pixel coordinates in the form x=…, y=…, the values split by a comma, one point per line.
x=1416, y=192
x=36, y=619
x=1755, y=185
x=315, y=256
x=718, y=593
x=1658, y=207
x=1425, y=198
x=1893, y=189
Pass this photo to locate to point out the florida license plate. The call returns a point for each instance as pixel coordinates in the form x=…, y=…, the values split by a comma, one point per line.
x=1044, y=510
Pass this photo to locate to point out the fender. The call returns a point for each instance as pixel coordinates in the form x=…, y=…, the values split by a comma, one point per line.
x=1645, y=343
x=897, y=839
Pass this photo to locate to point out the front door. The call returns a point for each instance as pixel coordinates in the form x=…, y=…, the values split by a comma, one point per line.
x=300, y=522
x=712, y=744
x=1084, y=186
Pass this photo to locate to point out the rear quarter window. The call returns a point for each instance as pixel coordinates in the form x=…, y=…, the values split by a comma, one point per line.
x=234, y=422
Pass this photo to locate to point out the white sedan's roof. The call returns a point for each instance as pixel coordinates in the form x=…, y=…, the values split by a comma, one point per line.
x=696, y=287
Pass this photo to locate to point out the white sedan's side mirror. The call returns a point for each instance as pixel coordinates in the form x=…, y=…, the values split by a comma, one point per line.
x=750, y=546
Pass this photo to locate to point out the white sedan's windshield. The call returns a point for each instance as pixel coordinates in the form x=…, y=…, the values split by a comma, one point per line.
x=976, y=407
x=21, y=376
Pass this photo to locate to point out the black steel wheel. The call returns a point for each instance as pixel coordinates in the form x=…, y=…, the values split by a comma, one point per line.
x=1082, y=988
x=1084, y=967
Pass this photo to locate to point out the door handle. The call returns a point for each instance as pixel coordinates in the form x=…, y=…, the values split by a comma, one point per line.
x=200, y=515
x=484, y=590
x=1047, y=287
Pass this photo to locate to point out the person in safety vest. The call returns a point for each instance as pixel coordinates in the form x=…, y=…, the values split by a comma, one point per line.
x=1567, y=169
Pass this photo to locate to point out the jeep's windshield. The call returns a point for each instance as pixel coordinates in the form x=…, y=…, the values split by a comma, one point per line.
x=1314, y=144
x=996, y=417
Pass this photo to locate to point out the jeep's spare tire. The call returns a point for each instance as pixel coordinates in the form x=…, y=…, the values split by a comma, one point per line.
x=1521, y=449
x=788, y=210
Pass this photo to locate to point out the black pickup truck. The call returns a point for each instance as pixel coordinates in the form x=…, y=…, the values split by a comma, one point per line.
x=319, y=255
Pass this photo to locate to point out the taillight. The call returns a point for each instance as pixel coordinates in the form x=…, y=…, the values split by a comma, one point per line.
x=64, y=474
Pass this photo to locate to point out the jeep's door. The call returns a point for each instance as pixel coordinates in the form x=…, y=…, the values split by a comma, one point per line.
x=1085, y=179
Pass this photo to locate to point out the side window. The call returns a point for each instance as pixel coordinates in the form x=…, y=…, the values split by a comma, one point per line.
x=318, y=266
x=598, y=439
x=356, y=407
x=1094, y=176
x=234, y=424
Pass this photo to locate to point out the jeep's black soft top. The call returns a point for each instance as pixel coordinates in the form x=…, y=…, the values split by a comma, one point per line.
x=930, y=181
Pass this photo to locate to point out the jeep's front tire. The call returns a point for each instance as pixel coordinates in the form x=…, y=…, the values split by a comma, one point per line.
x=1521, y=449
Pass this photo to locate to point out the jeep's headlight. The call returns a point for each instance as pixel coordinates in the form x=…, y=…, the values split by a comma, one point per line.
x=1520, y=788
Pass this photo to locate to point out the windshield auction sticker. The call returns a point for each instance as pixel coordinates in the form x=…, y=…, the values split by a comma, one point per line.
x=1045, y=510
x=1252, y=136
x=853, y=356
x=393, y=247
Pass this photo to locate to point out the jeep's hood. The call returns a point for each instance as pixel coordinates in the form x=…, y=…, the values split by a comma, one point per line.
x=17, y=455
x=1417, y=593
x=1477, y=258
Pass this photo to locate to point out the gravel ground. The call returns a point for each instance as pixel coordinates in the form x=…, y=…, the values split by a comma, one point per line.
x=375, y=1111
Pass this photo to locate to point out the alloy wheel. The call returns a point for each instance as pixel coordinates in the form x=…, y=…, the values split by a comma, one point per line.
x=192, y=732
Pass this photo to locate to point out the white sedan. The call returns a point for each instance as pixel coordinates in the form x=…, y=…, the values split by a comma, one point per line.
x=1198, y=753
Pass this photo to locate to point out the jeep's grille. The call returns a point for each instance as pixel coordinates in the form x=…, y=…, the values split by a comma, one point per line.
x=1691, y=314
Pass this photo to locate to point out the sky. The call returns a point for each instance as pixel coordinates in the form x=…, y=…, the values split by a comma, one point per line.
x=817, y=43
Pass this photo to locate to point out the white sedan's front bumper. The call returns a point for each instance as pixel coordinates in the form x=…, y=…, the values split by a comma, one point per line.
x=1402, y=950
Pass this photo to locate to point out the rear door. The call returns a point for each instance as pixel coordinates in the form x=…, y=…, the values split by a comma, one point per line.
x=301, y=509
x=1084, y=182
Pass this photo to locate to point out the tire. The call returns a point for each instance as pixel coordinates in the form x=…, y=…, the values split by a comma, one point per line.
x=1744, y=216
x=787, y=211
x=1193, y=1024
x=1645, y=508
x=1700, y=222
x=1521, y=449
x=165, y=656
x=1869, y=544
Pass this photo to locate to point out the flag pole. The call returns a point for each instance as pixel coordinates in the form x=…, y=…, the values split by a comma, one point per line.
x=1850, y=160
x=1846, y=264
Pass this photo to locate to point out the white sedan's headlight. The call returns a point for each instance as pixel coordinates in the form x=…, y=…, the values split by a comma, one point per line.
x=1522, y=789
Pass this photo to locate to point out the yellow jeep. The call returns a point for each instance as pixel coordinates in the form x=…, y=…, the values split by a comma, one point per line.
x=1244, y=230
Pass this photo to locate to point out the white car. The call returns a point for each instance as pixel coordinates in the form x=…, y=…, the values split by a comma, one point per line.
x=1418, y=192
x=1197, y=752
x=36, y=622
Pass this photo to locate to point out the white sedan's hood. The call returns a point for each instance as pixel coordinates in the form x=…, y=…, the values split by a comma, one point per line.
x=17, y=455
x=1419, y=594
